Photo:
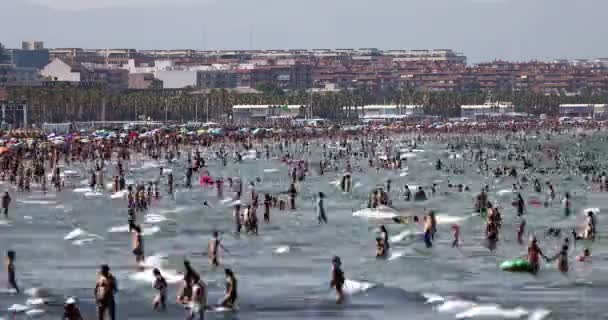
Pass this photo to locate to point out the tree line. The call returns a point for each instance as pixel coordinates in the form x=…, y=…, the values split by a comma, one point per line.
x=64, y=103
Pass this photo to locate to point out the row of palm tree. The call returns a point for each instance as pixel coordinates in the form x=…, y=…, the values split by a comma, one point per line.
x=69, y=103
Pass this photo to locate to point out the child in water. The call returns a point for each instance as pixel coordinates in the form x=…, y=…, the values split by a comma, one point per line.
x=456, y=241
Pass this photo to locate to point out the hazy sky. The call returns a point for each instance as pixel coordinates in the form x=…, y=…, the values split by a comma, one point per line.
x=481, y=29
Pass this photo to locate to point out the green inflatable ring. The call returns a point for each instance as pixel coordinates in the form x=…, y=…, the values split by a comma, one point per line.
x=517, y=265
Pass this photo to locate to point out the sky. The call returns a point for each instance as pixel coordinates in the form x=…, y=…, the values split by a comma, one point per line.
x=483, y=30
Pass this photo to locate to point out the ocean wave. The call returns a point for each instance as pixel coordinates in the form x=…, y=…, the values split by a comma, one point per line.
x=352, y=287
x=466, y=309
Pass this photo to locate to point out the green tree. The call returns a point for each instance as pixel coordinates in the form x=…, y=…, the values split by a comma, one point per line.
x=269, y=89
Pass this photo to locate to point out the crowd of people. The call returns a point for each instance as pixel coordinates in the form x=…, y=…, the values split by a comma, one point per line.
x=26, y=161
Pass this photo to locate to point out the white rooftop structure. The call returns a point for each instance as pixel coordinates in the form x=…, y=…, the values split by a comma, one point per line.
x=488, y=108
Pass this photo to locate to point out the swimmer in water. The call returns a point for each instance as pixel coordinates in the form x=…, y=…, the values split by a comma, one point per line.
x=160, y=284
x=585, y=256
x=71, y=310
x=214, y=245
x=10, y=270
x=337, y=279
x=231, y=290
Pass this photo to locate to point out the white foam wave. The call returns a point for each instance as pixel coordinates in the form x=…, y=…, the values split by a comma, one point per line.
x=282, y=249
x=147, y=276
x=117, y=229
x=80, y=242
x=455, y=306
x=539, y=314
x=82, y=190
x=492, y=312
x=119, y=195
x=82, y=234
x=45, y=202
x=74, y=234
x=154, y=261
x=396, y=255
x=406, y=234
x=34, y=312
x=353, y=287
x=154, y=218
x=463, y=309
x=408, y=155
x=36, y=301
x=146, y=231
x=448, y=219
x=504, y=192
x=18, y=308
x=93, y=194
x=382, y=212
x=432, y=298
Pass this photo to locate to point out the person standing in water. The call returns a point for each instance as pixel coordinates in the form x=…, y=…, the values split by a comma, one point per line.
x=267, y=203
x=385, y=241
x=456, y=240
x=105, y=288
x=185, y=293
x=6, y=201
x=337, y=279
x=214, y=246
x=160, y=284
x=138, y=245
x=198, y=303
x=10, y=270
x=521, y=205
x=231, y=290
x=567, y=204
x=562, y=259
x=428, y=232
x=533, y=255
x=292, y=192
x=321, y=216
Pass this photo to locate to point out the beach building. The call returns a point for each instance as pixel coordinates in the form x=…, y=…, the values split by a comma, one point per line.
x=384, y=111
x=596, y=111
x=487, y=109
x=243, y=114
